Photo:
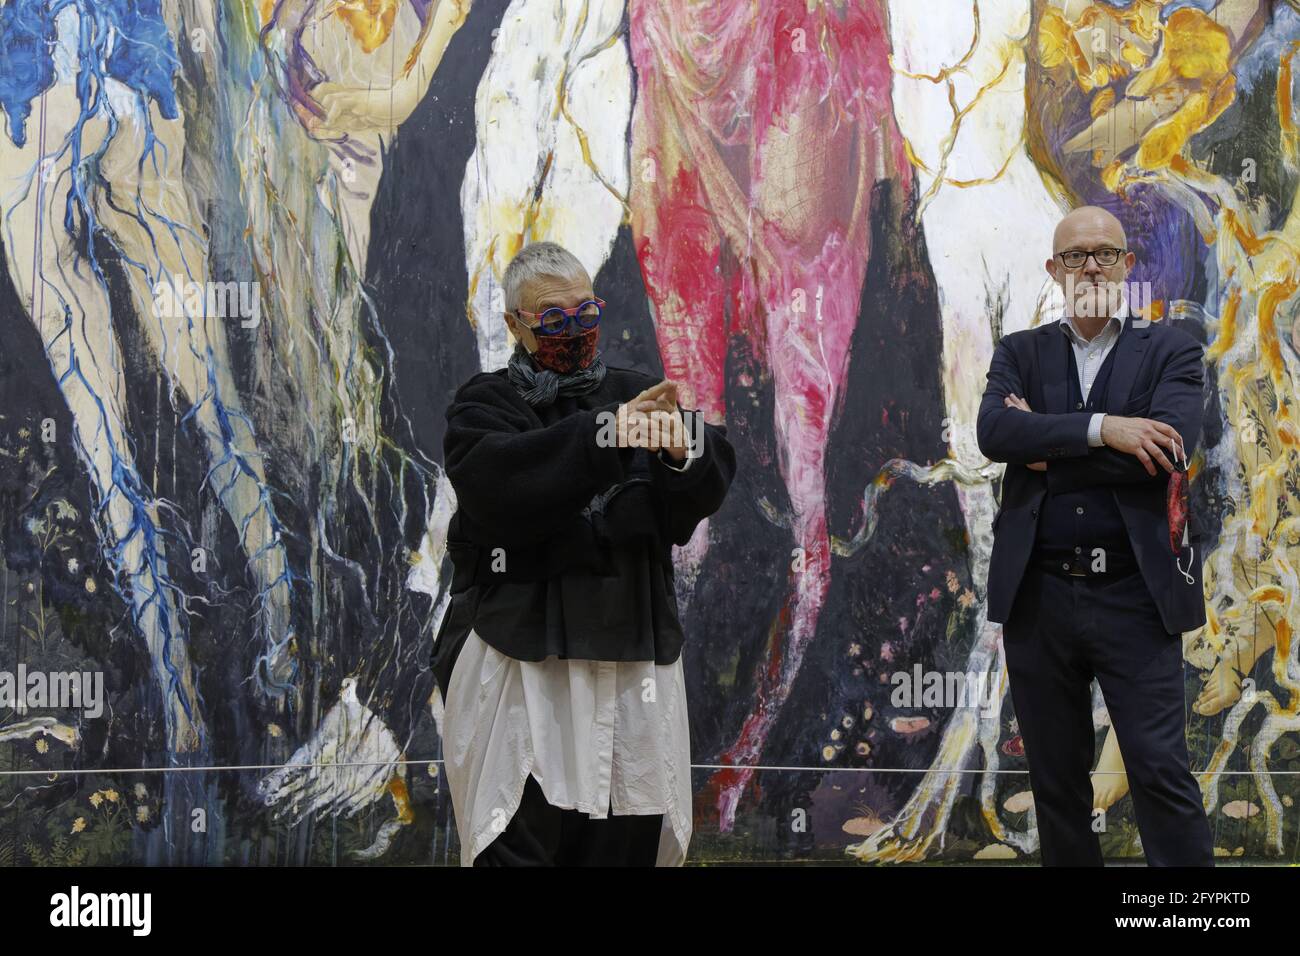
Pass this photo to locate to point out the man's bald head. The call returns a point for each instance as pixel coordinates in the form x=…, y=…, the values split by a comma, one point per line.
x=1092, y=290
x=1087, y=223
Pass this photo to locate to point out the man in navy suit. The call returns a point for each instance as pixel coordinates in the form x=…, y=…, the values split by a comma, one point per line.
x=1092, y=414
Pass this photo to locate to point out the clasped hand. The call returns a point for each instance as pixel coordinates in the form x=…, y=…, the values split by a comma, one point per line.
x=653, y=421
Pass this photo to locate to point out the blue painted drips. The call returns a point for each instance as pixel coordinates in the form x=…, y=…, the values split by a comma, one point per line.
x=126, y=40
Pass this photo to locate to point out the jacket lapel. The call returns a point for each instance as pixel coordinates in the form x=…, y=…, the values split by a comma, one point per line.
x=1054, y=364
x=1130, y=350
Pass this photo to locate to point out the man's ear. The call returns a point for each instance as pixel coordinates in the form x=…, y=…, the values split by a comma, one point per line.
x=1051, y=266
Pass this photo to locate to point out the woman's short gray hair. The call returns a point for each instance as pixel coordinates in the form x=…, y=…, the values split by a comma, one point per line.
x=533, y=261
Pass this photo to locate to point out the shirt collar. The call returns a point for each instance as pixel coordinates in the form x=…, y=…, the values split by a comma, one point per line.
x=1115, y=325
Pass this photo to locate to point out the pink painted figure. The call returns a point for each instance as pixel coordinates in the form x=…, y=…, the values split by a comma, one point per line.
x=758, y=133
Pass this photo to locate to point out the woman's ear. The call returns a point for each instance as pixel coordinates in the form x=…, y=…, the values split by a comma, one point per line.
x=522, y=334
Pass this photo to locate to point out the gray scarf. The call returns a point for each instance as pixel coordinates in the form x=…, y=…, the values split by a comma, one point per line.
x=541, y=388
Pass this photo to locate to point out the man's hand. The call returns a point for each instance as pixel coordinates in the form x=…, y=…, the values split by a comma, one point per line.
x=1015, y=401
x=1143, y=437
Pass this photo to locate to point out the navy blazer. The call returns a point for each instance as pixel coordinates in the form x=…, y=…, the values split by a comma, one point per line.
x=1158, y=373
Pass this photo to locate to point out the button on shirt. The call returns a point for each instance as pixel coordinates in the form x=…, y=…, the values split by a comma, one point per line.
x=1088, y=357
x=601, y=737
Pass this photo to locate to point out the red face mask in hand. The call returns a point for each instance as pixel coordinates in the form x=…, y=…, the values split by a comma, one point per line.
x=1177, y=508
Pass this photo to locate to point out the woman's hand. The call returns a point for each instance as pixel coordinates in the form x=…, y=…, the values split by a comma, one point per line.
x=669, y=426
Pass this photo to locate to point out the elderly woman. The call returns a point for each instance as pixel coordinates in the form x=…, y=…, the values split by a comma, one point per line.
x=565, y=732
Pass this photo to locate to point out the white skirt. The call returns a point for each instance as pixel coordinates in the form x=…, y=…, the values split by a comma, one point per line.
x=594, y=734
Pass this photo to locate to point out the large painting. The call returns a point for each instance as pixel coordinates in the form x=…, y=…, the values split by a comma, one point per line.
x=252, y=247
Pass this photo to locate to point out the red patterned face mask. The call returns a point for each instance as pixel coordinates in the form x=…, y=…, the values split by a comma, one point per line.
x=566, y=353
x=1177, y=508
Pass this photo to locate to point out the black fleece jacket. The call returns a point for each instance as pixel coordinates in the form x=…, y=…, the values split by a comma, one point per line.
x=555, y=529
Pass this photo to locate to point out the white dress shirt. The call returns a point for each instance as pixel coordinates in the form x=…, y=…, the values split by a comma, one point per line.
x=1089, y=356
x=601, y=737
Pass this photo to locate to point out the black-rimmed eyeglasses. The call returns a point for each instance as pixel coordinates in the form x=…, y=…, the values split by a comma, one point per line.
x=1077, y=257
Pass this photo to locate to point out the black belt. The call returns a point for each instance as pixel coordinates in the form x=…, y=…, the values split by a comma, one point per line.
x=1079, y=563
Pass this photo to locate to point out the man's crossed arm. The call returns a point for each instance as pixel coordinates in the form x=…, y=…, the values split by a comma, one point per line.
x=1134, y=448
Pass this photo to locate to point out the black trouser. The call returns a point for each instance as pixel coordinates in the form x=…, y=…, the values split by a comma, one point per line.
x=542, y=835
x=1063, y=630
